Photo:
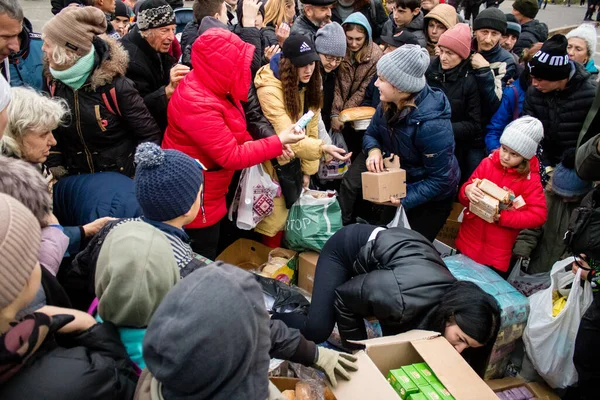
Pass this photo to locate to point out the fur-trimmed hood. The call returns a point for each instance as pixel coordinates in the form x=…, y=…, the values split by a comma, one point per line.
x=111, y=62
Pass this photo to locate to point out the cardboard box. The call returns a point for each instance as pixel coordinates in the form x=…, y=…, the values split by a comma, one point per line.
x=392, y=352
x=380, y=187
x=486, y=209
x=306, y=270
x=246, y=254
x=450, y=229
x=494, y=190
x=539, y=390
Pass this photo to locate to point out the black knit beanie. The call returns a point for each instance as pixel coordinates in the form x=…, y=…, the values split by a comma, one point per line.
x=491, y=18
x=551, y=63
x=528, y=8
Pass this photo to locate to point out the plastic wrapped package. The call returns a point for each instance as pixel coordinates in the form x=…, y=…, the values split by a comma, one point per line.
x=513, y=304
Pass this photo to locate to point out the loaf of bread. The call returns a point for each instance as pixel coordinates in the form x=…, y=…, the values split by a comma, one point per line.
x=304, y=391
x=289, y=394
x=356, y=114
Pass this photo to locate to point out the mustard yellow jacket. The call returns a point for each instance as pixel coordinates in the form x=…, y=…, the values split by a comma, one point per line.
x=308, y=150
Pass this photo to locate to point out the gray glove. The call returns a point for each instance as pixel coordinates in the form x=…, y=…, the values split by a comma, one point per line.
x=332, y=362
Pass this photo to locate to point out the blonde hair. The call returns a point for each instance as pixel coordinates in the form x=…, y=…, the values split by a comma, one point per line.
x=275, y=12
x=61, y=55
x=30, y=111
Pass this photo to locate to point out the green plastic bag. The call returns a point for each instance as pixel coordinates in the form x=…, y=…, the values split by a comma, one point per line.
x=312, y=220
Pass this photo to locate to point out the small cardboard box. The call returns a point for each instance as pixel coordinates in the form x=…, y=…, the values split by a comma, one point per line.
x=392, y=352
x=306, y=270
x=494, y=190
x=539, y=390
x=246, y=254
x=380, y=187
x=486, y=209
x=450, y=229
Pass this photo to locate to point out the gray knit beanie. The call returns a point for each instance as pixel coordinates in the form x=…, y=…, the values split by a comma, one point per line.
x=331, y=40
x=523, y=135
x=404, y=68
x=20, y=239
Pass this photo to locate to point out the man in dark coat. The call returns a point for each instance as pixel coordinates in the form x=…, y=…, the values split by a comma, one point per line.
x=560, y=96
x=151, y=68
x=532, y=31
x=315, y=14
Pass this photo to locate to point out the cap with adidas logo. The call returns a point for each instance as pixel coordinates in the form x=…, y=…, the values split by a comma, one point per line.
x=300, y=50
x=551, y=63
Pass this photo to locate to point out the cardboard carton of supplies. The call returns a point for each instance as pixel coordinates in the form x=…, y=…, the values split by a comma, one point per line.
x=380, y=187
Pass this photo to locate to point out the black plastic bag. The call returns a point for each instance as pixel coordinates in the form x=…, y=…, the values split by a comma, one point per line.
x=287, y=298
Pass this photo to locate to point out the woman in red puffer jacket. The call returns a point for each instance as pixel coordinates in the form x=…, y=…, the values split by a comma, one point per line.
x=513, y=167
x=207, y=122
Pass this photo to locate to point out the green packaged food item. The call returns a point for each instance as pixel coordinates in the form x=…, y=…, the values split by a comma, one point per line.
x=442, y=391
x=430, y=393
x=426, y=373
x=414, y=375
x=417, y=396
x=401, y=383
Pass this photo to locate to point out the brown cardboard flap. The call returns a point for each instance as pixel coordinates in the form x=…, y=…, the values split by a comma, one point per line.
x=284, y=383
x=392, y=162
x=452, y=370
x=367, y=383
x=415, y=334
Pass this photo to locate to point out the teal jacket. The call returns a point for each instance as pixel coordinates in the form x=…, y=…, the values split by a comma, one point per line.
x=132, y=339
x=26, y=65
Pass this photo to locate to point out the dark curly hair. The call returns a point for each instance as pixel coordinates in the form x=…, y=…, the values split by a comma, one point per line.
x=313, y=98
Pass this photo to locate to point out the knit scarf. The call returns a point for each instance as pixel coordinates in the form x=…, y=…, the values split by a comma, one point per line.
x=76, y=75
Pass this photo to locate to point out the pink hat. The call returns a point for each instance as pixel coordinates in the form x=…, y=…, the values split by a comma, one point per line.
x=458, y=40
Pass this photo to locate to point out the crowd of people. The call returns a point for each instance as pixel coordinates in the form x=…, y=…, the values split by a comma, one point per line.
x=123, y=136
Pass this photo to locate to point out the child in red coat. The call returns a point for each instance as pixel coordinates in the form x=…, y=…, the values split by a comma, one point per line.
x=514, y=167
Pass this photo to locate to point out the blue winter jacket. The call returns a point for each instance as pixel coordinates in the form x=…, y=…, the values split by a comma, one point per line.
x=504, y=115
x=425, y=143
x=26, y=65
x=81, y=199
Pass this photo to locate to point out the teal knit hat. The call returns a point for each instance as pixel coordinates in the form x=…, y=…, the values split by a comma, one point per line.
x=359, y=18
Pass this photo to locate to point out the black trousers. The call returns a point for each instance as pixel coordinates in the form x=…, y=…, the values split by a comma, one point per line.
x=351, y=189
x=587, y=352
x=205, y=241
x=333, y=269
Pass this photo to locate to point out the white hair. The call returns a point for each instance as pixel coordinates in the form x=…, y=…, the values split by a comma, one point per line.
x=30, y=111
x=61, y=55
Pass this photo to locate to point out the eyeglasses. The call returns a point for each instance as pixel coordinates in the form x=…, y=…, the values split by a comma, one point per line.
x=336, y=60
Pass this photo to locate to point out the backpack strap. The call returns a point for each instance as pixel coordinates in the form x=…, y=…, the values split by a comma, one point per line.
x=111, y=103
x=589, y=118
x=516, y=106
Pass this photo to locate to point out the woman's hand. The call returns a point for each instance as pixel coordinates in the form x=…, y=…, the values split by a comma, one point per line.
x=282, y=32
x=94, y=227
x=375, y=161
x=305, y=181
x=291, y=135
x=82, y=322
x=396, y=201
x=336, y=152
x=271, y=51
x=250, y=11
x=473, y=193
x=336, y=125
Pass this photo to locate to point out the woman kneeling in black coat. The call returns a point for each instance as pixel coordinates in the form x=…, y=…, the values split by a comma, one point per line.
x=396, y=276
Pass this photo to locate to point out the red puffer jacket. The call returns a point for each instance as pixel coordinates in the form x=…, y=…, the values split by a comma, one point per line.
x=491, y=244
x=207, y=122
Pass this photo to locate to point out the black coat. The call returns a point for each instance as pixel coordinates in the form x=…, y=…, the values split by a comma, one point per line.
x=89, y=365
x=460, y=86
x=562, y=113
x=398, y=277
x=188, y=37
x=150, y=72
x=532, y=32
x=102, y=135
x=303, y=26
x=328, y=80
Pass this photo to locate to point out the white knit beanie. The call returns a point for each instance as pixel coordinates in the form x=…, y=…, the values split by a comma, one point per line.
x=523, y=135
x=4, y=94
x=586, y=32
x=404, y=68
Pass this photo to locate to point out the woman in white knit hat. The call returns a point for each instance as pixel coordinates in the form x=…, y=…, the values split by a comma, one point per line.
x=515, y=168
x=582, y=46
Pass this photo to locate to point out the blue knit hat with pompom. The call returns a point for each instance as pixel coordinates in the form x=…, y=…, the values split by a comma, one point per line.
x=166, y=182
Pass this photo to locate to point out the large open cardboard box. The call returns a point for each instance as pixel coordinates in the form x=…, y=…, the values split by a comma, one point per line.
x=383, y=354
x=449, y=231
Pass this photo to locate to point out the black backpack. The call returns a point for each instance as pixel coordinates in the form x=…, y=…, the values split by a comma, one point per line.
x=583, y=235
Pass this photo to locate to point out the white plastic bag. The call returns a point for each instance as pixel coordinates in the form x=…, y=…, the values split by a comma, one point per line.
x=333, y=169
x=254, y=197
x=528, y=284
x=400, y=219
x=550, y=341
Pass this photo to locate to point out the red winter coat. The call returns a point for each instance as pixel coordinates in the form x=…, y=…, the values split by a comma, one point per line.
x=491, y=244
x=207, y=122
